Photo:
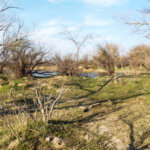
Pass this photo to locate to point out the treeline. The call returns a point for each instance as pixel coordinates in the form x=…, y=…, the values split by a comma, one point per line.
x=107, y=57
x=20, y=55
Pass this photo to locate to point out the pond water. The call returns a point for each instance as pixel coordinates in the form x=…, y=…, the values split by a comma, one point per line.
x=92, y=74
x=47, y=74
x=44, y=74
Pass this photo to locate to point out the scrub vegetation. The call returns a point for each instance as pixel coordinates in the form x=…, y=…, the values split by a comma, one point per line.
x=99, y=102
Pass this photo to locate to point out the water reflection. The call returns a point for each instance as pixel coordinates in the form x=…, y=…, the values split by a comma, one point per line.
x=44, y=74
x=47, y=74
x=92, y=74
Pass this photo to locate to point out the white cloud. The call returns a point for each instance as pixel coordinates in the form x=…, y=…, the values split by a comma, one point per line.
x=49, y=35
x=91, y=21
x=105, y=3
x=54, y=1
x=57, y=22
x=51, y=23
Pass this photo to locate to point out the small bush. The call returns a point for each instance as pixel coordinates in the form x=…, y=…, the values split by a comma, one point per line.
x=66, y=65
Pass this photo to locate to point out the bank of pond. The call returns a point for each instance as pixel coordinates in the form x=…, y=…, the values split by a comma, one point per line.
x=48, y=74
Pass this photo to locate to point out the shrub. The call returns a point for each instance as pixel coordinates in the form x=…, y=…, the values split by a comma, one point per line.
x=107, y=57
x=66, y=65
x=24, y=57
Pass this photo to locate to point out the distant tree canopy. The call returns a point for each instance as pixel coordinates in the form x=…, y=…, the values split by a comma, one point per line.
x=140, y=56
x=85, y=61
x=123, y=61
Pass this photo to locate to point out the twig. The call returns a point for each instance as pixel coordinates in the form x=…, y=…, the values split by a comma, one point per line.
x=55, y=101
x=12, y=130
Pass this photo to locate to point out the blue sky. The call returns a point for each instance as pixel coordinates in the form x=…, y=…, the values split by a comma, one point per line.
x=96, y=17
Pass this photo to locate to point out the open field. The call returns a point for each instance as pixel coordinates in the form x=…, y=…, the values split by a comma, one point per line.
x=73, y=77
x=119, y=120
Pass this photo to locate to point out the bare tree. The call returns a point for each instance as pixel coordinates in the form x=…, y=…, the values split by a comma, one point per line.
x=6, y=22
x=5, y=5
x=24, y=56
x=77, y=40
x=139, y=56
x=3, y=61
x=140, y=22
x=106, y=57
x=6, y=42
x=17, y=50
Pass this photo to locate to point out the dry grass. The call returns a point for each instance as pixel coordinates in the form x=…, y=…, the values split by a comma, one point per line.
x=123, y=115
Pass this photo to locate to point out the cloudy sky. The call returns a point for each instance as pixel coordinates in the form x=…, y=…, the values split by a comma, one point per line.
x=96, y=17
